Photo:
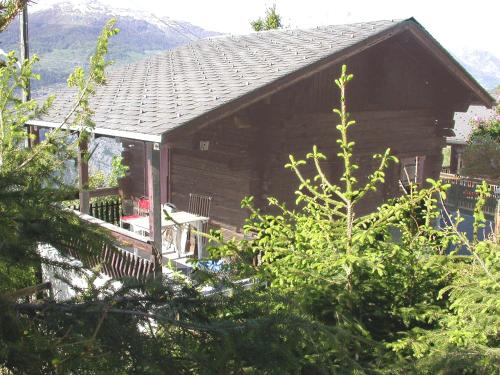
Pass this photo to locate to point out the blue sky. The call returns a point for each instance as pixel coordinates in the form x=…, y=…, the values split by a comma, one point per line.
x=456, y=24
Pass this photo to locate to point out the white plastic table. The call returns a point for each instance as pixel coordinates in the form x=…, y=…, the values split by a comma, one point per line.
x=181, y=221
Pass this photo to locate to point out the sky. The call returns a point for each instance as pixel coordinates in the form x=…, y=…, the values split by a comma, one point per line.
x=455, y=24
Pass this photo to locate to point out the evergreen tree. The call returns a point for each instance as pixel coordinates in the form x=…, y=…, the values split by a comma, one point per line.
x=383, y=283
x=334, y=292
x=153, y=327
x=271, y=21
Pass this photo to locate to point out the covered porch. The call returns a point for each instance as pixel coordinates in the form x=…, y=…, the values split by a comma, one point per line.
x=150, y=232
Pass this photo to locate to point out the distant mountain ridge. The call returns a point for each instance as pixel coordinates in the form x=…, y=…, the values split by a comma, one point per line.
x=64, y=36
x=483, y=65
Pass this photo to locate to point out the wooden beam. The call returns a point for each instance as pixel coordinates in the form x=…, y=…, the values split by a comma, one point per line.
x=497, y=220
x=154, y=193
x=165, y=164
x=104, y=192
x=83, y=177
x=127, y=240
x=100, y=131
x=124, y=237
x=34, y=136
x=29, y=291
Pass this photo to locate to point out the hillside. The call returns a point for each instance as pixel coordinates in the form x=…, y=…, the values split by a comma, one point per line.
x=65, y=34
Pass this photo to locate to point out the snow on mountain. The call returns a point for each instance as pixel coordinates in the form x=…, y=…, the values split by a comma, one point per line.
x=92, y=8
x=63, y=34
x=483, y=65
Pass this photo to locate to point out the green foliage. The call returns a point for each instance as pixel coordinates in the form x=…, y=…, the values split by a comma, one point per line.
x=482, y=154
x=271, y=21
x=466, y=337
x=153, y=327
x=334, y=292
x=482, y=158
x=8, y=11
x=29, y=177
x=165, y=327
x=118, y=170
x=98, y=179
x=488, y=126
x=382, y=281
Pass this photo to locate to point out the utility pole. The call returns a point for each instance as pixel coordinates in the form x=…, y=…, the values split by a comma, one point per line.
x=33, y=133
x=25, y=52
x=34, y=137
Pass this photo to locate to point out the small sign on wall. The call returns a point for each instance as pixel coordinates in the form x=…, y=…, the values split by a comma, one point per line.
x=204, y=145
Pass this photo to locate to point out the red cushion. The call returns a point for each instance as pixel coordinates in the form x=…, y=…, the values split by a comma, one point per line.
x=130, y=217
x=144, y=203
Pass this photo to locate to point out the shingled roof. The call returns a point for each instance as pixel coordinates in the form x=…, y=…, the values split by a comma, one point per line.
x=150, y=98
x=463, y=128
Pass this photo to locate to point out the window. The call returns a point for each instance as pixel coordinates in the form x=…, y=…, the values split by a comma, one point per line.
x=412, y=170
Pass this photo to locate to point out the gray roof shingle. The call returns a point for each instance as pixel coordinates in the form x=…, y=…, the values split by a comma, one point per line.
x=171, y=89
x=463, y=128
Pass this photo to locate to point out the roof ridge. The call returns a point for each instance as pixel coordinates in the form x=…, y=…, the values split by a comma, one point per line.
x=195, y=81
x=236, y=37
x=285, y=29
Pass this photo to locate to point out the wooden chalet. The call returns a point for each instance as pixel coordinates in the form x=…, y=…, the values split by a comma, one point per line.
x=220, y=116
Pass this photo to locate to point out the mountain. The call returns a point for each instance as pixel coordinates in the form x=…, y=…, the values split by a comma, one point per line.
x=64, y=35
x=484, y=66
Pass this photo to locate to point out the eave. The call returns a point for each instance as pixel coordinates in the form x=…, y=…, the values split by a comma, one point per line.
x=100, y=131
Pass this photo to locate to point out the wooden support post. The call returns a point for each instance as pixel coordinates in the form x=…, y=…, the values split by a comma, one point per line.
x=83, y=178
x=497, y=220
x=34, y=138
x=154, y=193
x=165, y=164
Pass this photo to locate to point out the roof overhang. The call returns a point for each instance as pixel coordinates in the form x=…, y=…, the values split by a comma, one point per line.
x=231, y=107
x=101, y=131
x=478, y=95
x=454, y=67
x=481, y=96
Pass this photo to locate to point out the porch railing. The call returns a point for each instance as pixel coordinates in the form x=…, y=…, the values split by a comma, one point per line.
x=132, y=256
x=462, y=193
x=446, y=170
x=107, y=209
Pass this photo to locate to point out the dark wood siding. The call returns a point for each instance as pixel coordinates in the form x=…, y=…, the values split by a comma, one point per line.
x=134, y=156
x=224, y=171
x=401, y=98
x=406, y=133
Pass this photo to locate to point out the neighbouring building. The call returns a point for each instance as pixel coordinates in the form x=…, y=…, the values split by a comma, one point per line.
x=463, y=130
